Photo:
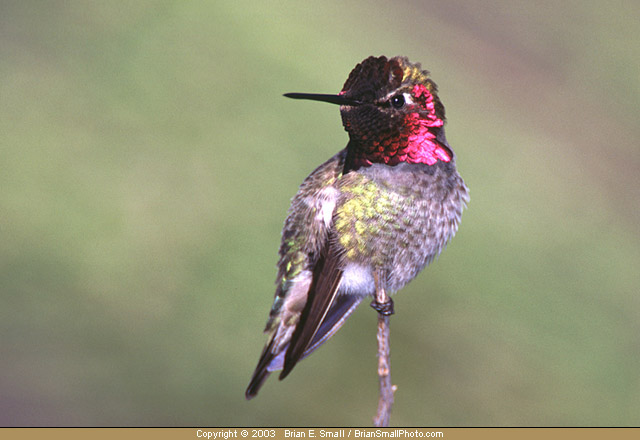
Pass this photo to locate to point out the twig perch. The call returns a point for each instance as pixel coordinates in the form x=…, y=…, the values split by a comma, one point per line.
x=384, y=306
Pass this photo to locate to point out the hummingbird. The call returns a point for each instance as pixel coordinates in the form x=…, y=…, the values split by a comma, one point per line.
x=371, y=217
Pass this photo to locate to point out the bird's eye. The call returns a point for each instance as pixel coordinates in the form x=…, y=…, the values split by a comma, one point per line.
x=397, y=101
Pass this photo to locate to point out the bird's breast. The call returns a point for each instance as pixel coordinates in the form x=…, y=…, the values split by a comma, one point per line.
x=395, y=219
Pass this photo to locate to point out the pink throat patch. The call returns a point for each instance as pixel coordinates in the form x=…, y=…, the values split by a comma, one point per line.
x=422, y=146
x=418, y=144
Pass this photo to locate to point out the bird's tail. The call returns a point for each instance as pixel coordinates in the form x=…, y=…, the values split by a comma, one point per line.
x=270, y=361
x=262, y=370
x=256, y=383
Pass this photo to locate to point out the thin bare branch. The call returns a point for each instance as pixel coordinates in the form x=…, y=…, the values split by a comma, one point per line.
x=384, y=306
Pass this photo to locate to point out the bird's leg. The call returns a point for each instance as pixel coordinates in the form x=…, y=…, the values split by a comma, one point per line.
x=382, y=303
x=384, y=306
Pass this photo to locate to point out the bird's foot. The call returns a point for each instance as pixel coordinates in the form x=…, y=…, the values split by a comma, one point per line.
x=385, y=308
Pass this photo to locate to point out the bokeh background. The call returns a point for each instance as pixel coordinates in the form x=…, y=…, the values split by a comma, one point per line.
x=147, y=160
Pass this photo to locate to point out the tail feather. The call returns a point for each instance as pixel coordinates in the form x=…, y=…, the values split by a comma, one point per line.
x=261, y=372
x=256, y=383
x=341, y=309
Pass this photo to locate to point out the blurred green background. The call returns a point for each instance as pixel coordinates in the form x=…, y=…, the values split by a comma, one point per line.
x=147, y=160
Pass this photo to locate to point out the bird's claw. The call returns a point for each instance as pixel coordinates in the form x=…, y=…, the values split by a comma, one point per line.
x=385, y=309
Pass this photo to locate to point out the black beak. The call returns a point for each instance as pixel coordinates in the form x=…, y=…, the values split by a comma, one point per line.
x=333, y=99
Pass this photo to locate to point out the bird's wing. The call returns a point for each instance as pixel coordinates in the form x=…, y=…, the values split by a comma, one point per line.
x=308, y=278
x=320, y=299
